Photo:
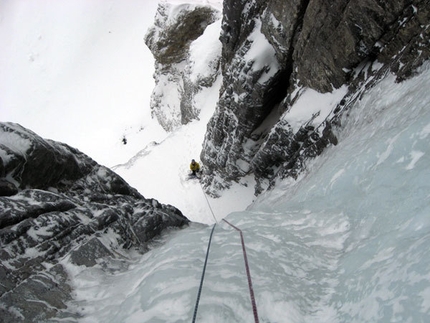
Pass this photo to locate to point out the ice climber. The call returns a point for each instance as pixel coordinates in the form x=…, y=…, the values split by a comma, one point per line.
x=195, y=167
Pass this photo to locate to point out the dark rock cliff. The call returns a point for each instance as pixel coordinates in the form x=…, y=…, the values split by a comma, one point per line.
x=308, y=44
x=56, y=205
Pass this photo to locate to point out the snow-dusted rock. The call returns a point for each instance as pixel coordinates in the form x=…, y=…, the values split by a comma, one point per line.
x=275, y=52
x=60, y=205
x=179, y=45
x=275, y=55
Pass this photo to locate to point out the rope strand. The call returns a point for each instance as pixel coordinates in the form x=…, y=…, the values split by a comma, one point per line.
x=207, y=201
x=248, y=273
x=203, y=275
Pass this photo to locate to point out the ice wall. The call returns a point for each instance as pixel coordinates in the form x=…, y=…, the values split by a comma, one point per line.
x=349, y=241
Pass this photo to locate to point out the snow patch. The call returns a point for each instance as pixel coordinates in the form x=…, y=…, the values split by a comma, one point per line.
x=15, y=142
x=312, y=103
x=425, y=132
x=262, y=54
x=415, y=157
x=204, y=52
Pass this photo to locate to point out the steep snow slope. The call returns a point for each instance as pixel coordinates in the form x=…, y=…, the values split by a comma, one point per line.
x=348, y=242
x=161, y=169
x=79, y=72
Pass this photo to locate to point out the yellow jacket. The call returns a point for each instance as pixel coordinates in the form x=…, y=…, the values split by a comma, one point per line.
x=195, y=166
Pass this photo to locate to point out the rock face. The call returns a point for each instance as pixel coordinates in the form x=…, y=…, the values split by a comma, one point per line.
x=56, y=205
x=175, y=29
x=302, y=44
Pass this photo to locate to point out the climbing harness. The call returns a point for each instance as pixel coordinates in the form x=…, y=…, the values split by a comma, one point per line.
x=248, y=273
x=203, y=275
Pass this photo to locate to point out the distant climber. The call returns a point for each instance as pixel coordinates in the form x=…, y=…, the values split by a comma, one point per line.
x=195, y=167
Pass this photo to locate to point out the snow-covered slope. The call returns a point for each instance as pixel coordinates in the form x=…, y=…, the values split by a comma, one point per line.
x=348, y=241
x=79, y=72
x=161, y=169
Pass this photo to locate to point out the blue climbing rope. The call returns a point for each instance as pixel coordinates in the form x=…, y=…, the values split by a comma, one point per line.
x=203, y=275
